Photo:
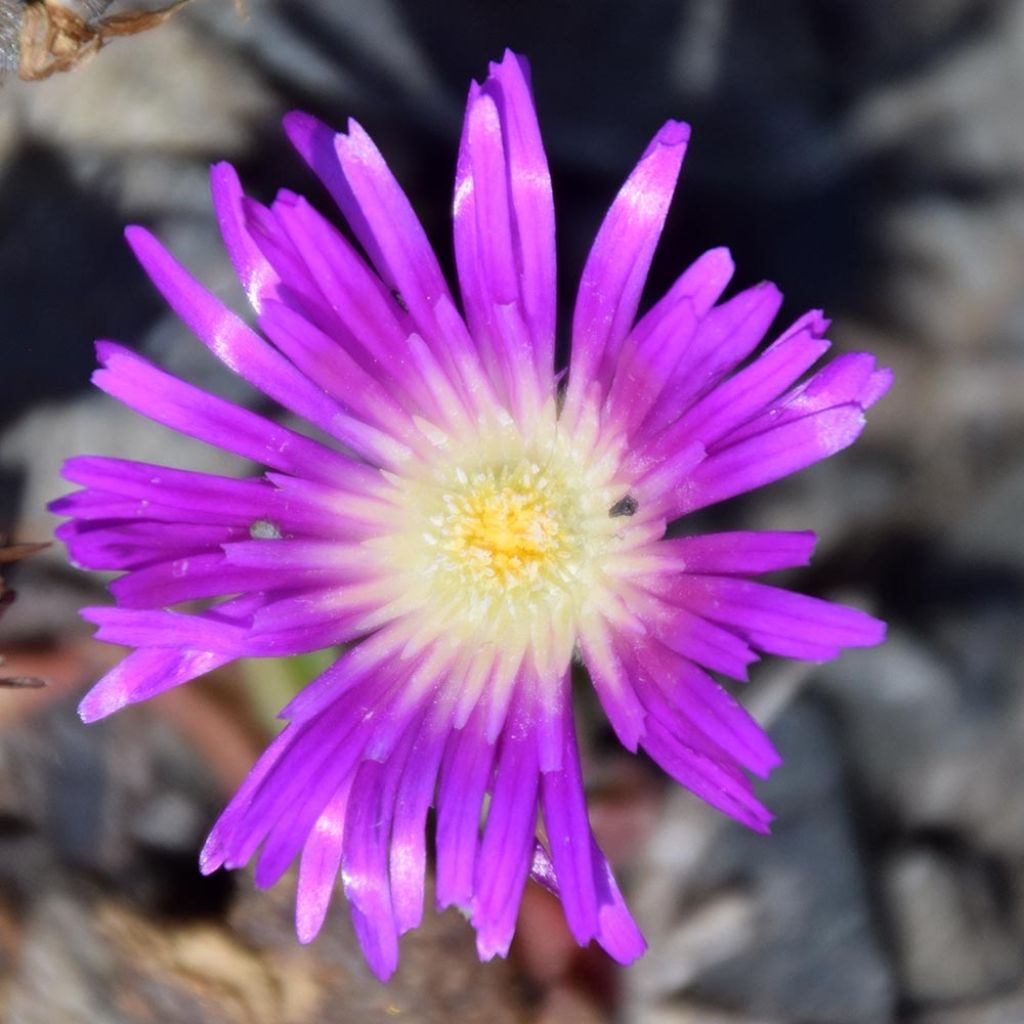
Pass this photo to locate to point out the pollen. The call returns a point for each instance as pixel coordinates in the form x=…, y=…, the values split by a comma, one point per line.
x=510, y=531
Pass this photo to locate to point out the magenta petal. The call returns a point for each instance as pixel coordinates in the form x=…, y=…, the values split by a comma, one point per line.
x=348, y=384
x=614, y=688
x=224, y=836
x=292, y=784
x=504, y=228
x=258, y=277
x=697, y=289
x=766, y=457
x=183, y=489
x=532, y=205
x=408, y=850
x=701, y=641
x=125, y=544
x=568, y=830
x=362, y=324
x=143, y=674
x=616, y=269
x=365, y=866
x=465, y=773
x=742, y=553
x=848, y=379
x=346, y=560
x=647, y=365
x=304, y=291
x=777, y=620
x=319, y=866
x=662, y=338
x=744, y=395
x=706, y=777
x=141, y=386
x=723, y=339
x=197, y=577
x=158, y=628
x=378, y=655
x=482, y=213
x=488, y=272
x=617, y=932
x=503, y=861
x=227, y=336
x=309, y=618
x=377, y=210
x=708, y=707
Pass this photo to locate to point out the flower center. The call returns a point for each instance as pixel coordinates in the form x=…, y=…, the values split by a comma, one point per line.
x=505, y=527
x=502, y=539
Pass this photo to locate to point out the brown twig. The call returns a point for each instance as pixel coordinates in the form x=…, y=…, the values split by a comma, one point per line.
x=11, y=553
x=57, y=37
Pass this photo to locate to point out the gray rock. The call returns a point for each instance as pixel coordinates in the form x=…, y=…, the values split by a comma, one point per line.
x=955, y=937
x=817, y=955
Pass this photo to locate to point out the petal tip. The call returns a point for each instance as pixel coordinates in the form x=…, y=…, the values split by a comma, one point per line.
x=93, y=707
x=673, y=133
x=136, y=235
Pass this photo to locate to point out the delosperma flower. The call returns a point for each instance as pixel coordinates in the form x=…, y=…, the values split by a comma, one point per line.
x=470, y=520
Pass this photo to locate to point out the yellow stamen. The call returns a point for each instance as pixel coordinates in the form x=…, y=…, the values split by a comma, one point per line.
x=511, y=531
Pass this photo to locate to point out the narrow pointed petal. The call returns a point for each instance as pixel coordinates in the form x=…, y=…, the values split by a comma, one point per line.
x=705, y=777
x=568, y=830
x=143, y=674
x=408, y=847
x=504, y=227
x=258, y=277
x=503, y=861
x=196, y=577
x=365, y=866
x=118, y=544
x=148, y=628
x=724, y=338
x=377, y=210
x=182, y=407
x=742, y=553
x=465, y=774
x=617, y=933
x=707, y=706
x=610, y=679
x=744, y=396
x=532, y=204
x=616, y=270
x=766, y=457
x=319, y=867
x=778, y=621
x=662, y=338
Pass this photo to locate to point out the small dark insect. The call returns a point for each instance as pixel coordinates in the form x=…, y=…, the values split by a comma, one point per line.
x=397, y=296
x=626, y=506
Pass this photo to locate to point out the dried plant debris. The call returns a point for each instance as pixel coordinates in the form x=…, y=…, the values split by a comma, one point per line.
x=12, y=553
x=60, y=35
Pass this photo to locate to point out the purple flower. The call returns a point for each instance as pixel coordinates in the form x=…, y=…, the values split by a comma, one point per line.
x=473, y=525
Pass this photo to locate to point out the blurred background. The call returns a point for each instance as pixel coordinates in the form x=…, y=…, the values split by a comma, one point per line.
x=865, y=155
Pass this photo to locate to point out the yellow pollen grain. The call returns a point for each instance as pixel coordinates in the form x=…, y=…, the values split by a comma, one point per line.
x=509, y=532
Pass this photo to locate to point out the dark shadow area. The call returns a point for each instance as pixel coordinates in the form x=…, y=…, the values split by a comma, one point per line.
x=68, y=278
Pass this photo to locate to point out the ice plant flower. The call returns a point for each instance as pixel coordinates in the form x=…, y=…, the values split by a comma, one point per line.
x=470, y=520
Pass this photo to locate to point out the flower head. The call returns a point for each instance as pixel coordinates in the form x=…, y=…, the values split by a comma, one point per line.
x=473, y=524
